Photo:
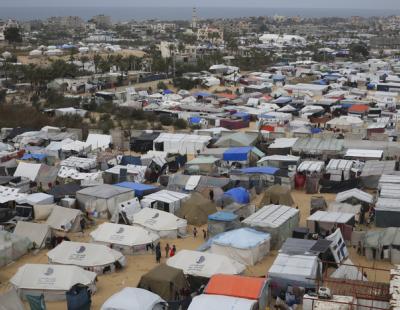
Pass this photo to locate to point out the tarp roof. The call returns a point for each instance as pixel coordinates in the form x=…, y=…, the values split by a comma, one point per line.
x=331, y=217
x=238, y=194
x=242, y=238
x=61, y=216
x=132, y=298
x=271, y=216
x=27, y=170
x=222, y=216
x=98, y=141
x=103, y=191
x=357, y=153
x=354, y=193
x=138, y=188
x=11, y=301
x=218, y=302
x=156, y=219
x=35, y=232
x=236, y=139
x=259, y=170
x=318, y=145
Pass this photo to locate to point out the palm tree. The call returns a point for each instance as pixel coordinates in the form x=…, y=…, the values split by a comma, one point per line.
x=96, y=61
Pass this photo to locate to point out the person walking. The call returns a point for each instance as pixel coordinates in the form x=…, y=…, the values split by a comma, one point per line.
x=167, y=249
x=195, y=232
x=204, y=234
x=158, y=253
x=211, y=195
x=173, y=251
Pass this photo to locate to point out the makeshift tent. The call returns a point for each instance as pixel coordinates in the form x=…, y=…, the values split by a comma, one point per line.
x=97, y=141
x=53, y=281
x=37, y=233
x=139, y=189
x=237, y=139
x=165, y=224
x=144, y=142
x=277, y=220
x=252, y=288
x=11, y=301
x=278, y=195
x=196, y=209
x=95, y=257
x=387, y=212
x=217, y=302
x=203, y=264
x=127, y=239
x=238, y=194
x=42, y=212
x=294, y=270
x=340, y=169
x=63, y=190
x=12, y=247
x=203, y=164
x=165, y=200
x=165, y=281
x=64, y=219
x=36, y=199
x=103, y=199
x=323, y=222
x=132, y=298
x=374, y=169
x=181, y=143
x=244, y=245
x=222, y=221
x=27, y=170
x=354, y=196
x=237, y=153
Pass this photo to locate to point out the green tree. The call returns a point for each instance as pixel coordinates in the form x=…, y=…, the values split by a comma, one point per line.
x=180, y=124
x=358, y=49
x=166, y=120
x=3, y=93
x=13, y=35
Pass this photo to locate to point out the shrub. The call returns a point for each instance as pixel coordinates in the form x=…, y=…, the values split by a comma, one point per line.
x=166, y=120
x=180, y=124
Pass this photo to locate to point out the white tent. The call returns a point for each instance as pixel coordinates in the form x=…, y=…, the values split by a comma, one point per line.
x=327, y=220
x=165, y=200
x=165, y=224
x=244, y=245
x=36, y=199
x=37, y=233
x=103, y=199
x=64, y=219
x=203, y=264
x=182, y=143
x=27, y=170
x=356, y=194
x=50, y=280
x=124, y=238
x=132, y=298
x=219, y=302
x=98, y=141
x=97, y=257
x=9, y=194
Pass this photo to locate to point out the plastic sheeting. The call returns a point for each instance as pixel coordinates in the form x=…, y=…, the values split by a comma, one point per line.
x=12, y=247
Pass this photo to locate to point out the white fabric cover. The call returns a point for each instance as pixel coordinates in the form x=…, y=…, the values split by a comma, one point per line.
x=98, y=141
x=64, y=219
x=35, y=232
x=27, y=170
x=11, y=301
x=219, y=302
x=132, y=298
x=84, y=254
x=204, y=264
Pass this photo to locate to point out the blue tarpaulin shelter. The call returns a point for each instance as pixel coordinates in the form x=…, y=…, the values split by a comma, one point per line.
x=34, y=156
x=316, y=130
x=237, y=153
x=167, y=92
x=238, y=194
x=131, y=160
x=223, y=216
x=260, y=170
x=202, y=94
x=195, y=120
x=243, y=115
x=139, y=188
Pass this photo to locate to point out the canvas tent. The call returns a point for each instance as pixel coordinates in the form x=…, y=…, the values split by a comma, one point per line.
x=95, y=257
x=196, y=209
x=64, y=219
x=53, y=281
x=127, y=239
x=98, y=141
x=277, y=195
x=165, y=224
x=222, y=221
x=165, y=281
x=244, y=245
x=11, y=301
x=164, y=200
x=218, y=302
x=12, y=247
x=323, y=222
x=139, y=189
x=37, y=233
x=277, y=220
x=203, y=264
x=387, y=212
x=374, y=169
x=237, y=139
x=27, y=170
x=180, y=143
x=103, y=199
x=132, y=298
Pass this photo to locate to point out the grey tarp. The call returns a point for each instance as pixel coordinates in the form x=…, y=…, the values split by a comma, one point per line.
x=196, y=209
x=12, y=247
x=11, y=301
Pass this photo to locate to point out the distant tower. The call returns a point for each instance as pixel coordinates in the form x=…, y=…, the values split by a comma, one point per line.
x=194, y=18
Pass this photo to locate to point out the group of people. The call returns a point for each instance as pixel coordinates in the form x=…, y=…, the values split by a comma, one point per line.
x=195, y=233
x=169, y=251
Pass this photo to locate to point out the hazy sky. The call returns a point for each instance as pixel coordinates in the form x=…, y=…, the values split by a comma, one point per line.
x=364, y=4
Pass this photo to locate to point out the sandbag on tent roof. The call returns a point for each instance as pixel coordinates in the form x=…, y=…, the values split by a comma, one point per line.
x=202, y=264
x=127, y=239
x=94, y=256
x=244, y=245
x=65, y=219
x=163, y=223
x=37, y=233
x=10, y=301
x=165, y=281
x=277, y=195
x=12, y=247
x=53, y=281
x=218, y=302
x=196, y=209
x=238, y=194
x=132, y=298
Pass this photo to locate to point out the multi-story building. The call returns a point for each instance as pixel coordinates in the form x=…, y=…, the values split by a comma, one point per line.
x=212, y=35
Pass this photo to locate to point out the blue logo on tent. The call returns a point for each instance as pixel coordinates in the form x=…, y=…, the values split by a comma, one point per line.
x=156, y=215
x=120, y=231
x=81, y=250
x=201, y=260
x=49, y=271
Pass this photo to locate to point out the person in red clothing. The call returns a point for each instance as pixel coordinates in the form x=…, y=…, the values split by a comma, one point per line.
x=173, y=251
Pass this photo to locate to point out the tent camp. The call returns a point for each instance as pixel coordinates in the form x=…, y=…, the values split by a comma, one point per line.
x=165, y=224
x=196, y=209
x=37, y=233
x=277, y=195
x=277, y=220
x=12, y=247
x=132, y=298
x=294, y=270
x=53, y=281
x=218, y=302
x=165, y=200
x=127, y=239
x=65, y=219
x=103, y=199
x=202, y=264
x=244, y=245
x=95, y=257
x=11, y=301
x=165, y=281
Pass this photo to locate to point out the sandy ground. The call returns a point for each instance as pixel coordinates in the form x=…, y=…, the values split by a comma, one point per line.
x=138, y=265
